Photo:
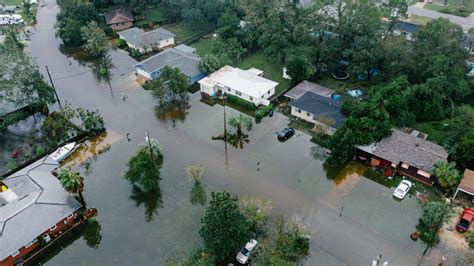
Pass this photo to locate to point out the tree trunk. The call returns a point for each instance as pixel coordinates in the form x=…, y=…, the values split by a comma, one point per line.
x=82, y=200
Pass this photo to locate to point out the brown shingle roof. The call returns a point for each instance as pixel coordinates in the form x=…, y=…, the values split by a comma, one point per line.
x=304, y=86
x=467, y=182
x=118, y=16
x=407, y=148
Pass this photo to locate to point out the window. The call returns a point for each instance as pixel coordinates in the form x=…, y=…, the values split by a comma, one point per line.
x=269, y=92
x=423, y=173
x=308, y=114
x=394, y=165
x=53, y=228
x=31, y=243
x=251, y=98
x=16, y=253
x=228, y=89
x=238, y=93
x=70, y=216
x=404, y=165
x=298, y=110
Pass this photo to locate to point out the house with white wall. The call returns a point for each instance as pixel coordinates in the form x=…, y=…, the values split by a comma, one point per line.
x=245, y=84
x=147, y=41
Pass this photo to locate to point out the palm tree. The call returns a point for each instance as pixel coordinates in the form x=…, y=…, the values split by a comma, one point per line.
x=194, y=172
x=72, y=182
x=238, y=122
x=446, y=174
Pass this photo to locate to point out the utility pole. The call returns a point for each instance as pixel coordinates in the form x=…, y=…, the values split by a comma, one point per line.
x=149, y=146
x=225, y=136
x=54, y=88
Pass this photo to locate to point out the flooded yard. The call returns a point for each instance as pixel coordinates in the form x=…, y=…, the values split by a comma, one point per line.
x=143, y=229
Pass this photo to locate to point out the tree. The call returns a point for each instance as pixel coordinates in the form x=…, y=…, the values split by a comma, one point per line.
x=433, y=217
x=198, y=194
x=94, y=38
x=170, y=86
x=74, y=15
x=194, y=172
x=72, y=182
x=92, y=121
x=256, y=210
x=239, y=122
x=446, y=174
x=229, y=26
x=463, y=151
x=224, y=228
x=144, y=166
x=210, y=63
x=299, y=70
x=58, y=126
x=229, y=50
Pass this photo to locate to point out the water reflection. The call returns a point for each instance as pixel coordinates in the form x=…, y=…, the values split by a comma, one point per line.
x=319, y=153
x=198, y=194
x=92, y=234
x=151, y=200
x=237, y=140
x=340, y=173
x=172, y=110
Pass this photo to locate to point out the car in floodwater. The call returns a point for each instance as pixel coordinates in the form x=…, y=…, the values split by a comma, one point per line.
x=402, y=189
x=286, y=133
x=244, y=254
x=465, y=220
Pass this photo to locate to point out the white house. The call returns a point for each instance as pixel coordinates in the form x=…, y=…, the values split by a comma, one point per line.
x=146, y=41
x=245, y=84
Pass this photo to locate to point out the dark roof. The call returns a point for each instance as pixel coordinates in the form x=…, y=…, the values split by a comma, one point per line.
x=407, y=148
x=320, y=106
x=305, y=86
x=406, y=26
x=36, y=202
x=118, y=16
x=187, y=63
x=468, y=40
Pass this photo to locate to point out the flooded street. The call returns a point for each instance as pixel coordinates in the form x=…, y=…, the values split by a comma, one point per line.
x=137, y=229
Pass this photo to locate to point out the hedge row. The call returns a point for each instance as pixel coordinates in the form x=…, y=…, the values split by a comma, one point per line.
x=239, y=101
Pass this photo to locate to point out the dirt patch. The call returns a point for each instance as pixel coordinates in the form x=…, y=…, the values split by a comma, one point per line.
x=449, y=236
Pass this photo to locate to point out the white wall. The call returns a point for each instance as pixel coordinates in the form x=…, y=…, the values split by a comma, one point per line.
x=143, y=73
x=256, y=101
x=206, y=89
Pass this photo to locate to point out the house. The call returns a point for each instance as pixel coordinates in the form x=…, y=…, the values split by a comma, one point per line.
x=467, y=183
x=146, y=41
x=406, y=152
x=304, y=86
x=245, y=84
x=33, y=208
x=405, y=28
x=187, y=63
x=324, y=112
x=119, y=19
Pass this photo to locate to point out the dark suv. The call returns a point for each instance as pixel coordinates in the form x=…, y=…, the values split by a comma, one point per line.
x=286, y=133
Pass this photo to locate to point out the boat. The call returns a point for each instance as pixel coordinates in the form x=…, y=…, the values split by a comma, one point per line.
x=60, y=154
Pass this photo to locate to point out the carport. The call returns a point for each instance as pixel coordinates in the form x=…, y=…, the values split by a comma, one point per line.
x=467, y=183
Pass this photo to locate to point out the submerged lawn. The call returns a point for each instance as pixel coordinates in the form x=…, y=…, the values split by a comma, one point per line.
x=272, y=71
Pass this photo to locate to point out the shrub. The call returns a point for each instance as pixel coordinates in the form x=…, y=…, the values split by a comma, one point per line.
x=239, y=101
x=39, y=151
x=470, y=239
x=11, y=165
x=135, y=53
x=262, y=112
x=121, y=43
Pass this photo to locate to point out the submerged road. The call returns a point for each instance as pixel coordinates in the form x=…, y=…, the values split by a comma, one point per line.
x=371, y=223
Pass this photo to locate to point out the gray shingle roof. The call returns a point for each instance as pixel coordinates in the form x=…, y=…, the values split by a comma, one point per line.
x=185, y=48
x=41, y=202
x=305, y=86
x=320, y=106
x=187, y=63
x=140, y=38
x=406, y=148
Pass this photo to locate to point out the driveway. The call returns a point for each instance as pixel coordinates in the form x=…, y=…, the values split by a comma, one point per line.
x=465, y=23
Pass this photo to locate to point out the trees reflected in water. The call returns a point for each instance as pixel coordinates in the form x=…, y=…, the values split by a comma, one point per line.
x=92, y=234
x=151, y=200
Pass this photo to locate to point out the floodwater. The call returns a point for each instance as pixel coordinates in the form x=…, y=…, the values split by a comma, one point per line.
x=136, y=228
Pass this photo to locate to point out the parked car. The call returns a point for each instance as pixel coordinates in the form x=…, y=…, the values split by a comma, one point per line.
x=402, y=189
x=244, y=254
x=286, y=133
x=465, y=220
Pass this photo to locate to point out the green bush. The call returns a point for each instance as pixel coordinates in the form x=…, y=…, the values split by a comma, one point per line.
x=121, y=43
x=11, y=165
x=470, y=239
x=261, y=113
x=135, y=53
x=39, y=151
x=239, y=101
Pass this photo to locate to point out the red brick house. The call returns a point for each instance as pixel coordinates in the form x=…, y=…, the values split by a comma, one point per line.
x=120, y=19
x=405, y=152
x=34, y=208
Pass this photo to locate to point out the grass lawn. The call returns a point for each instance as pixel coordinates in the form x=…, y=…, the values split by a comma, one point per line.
x=340, y=86
x=203, y=46
x=182, y=32
x=156, y=15
x=12, y=2
x=471, y=31
x=419, y=20
x=456, y=7
x=29, y=18
x=272, y=71
x=436, y=130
